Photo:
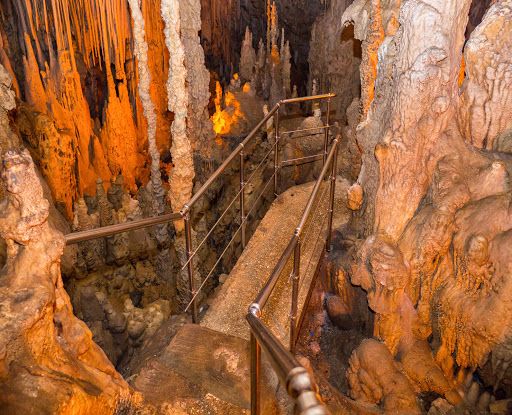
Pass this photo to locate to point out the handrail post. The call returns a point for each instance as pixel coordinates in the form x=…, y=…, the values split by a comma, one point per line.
x=331, y=196
x=190, y=268
x=255, y=375
x=327, y=120
x=276, y=153
x=242, y=198
x=295, y=296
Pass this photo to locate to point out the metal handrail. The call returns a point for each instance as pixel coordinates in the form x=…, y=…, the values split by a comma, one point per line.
x=184, y=213
x=281, y=359
x=105, y=231
x=295, y=377
x=240, y=147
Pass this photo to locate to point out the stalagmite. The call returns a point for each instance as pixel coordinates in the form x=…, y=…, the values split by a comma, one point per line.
x=247, y=57
x=182, y=174
x=286, y=67
x=141, y=51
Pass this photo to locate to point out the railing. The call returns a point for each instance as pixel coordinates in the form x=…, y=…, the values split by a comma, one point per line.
x=239, y=153
x=295, y=377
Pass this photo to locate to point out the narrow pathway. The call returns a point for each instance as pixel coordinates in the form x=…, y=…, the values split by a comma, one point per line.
x=205, y=368
x=229, y=308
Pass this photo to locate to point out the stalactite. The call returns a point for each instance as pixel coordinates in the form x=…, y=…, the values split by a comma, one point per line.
x=199, y=126
x=182, y=175
x=269, y=18
x=274, y=26
x=286, y=67
x=141, y=52
x=99, y=30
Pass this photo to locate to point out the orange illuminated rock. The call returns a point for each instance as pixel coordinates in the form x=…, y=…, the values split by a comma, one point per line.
x=224, y=120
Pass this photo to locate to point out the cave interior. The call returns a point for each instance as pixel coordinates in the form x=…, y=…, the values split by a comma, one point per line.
x=157, y=157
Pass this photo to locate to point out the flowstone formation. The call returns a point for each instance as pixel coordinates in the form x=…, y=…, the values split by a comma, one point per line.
x=92, y=79
x=48, y=361
x=432, y=225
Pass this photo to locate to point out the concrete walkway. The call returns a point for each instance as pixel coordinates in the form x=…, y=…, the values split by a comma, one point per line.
x=229, y=308
x=205, y=368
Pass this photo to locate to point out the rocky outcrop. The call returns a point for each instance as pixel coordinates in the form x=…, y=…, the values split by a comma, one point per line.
x=427, y=257
x=48, y=361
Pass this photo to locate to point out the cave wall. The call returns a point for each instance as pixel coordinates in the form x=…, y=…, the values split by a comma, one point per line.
x=224, y=25
x=221, y=35
x=48, y=361
x=432, y=223
x=76, y=72
x=335, y=57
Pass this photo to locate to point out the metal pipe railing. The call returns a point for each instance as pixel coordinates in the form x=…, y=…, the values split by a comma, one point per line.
x=242, y=198
x=111, y=230
x=276, y=154
x=264, y=294
x=184, y=213
x=282, y=360
x=320, y=97
x=299, y=384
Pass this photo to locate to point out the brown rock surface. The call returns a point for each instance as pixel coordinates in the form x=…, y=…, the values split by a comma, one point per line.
x=48, y=361
x=435, y=262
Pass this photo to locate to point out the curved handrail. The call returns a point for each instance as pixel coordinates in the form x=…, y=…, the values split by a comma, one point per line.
x=298, y=383
x=82, y=236
x=281, y=359
x=184, y=213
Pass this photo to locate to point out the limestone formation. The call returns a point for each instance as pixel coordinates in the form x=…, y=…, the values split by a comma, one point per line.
x=7, y=103
x=44, y=346
x=428, y=259
x=335, y=58
x=125, y=105
x=77, y=76
x=141, y=52
x=485, y=110
x=199, y=126
x=247, y=57
x=182, y=173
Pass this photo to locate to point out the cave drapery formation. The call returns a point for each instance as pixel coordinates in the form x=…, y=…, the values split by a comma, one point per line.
x=118, y=110
x=432, y=205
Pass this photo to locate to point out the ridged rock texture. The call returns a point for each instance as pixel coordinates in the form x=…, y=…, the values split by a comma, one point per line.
x=335, y=57
x=182, y=174
x=221, y=35
x=141, y=52
x=86, y=73
x=434, y=223
x=48, y=361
